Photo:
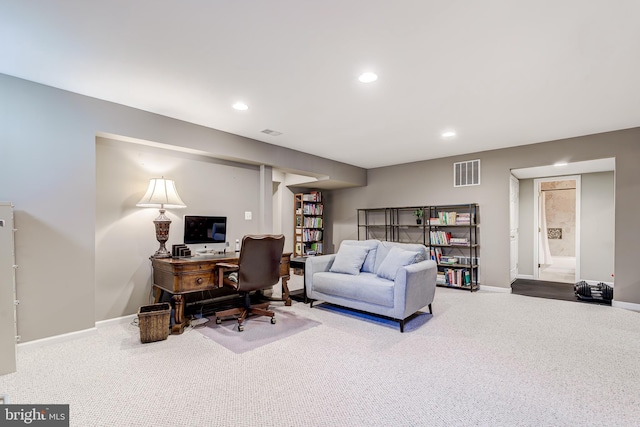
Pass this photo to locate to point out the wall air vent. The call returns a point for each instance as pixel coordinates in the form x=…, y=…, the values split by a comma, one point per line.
x=271, y=132
x=466, y=173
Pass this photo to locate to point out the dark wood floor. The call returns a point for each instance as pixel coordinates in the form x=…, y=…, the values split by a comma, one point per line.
x=551, y=290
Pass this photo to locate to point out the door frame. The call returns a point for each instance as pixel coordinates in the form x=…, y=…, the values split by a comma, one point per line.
x=536, y=219
x=514, y=233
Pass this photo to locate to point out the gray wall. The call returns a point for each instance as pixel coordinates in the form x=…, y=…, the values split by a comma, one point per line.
x=597, y=227
x=430, y=182
x=125, y=234
x=48, y=170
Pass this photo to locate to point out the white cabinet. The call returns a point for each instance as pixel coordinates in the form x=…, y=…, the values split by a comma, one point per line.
x=7, y=291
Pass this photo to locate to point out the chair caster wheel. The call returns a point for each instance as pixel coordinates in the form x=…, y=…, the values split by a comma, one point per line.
x=273, y=320
x=240, y=328
x=218, y=321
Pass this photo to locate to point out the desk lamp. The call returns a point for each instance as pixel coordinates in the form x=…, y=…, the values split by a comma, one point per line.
x=161, y=194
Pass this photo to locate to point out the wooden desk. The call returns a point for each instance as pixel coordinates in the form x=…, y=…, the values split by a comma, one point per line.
x=179, y=276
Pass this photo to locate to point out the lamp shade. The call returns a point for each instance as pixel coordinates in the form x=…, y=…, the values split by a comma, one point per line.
x=161, y=194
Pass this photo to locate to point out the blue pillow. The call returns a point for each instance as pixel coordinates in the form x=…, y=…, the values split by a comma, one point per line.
x=395, y=259
x=349, y=259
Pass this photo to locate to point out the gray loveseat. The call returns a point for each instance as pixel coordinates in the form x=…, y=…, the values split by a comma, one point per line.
x=394, y=280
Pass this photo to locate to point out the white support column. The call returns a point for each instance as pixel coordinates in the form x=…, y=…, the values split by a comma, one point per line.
x=265, y=216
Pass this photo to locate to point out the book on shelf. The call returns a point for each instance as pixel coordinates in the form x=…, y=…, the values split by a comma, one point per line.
x=311, y=235
x=449, y=260
x=459, y=241
x=438, y=237
x=453, y=218
x=447, y=218
x=456, y=277
x=436, y=254
x=312, y=209
x=313, y=222
x=314, y=196
x=465, y=218
x=316, y=247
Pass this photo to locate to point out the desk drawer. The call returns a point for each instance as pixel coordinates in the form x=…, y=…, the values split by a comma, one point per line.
x=194, y=282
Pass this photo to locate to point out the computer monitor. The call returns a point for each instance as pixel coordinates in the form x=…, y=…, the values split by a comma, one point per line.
x=205, y=229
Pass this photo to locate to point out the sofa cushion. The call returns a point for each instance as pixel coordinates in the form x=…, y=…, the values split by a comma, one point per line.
x=349, y=259
x=366, y=287
x=385, y=247
x=395, y=259
x=369, y=262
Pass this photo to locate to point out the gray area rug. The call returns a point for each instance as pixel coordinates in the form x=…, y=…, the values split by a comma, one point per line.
x=258, y=330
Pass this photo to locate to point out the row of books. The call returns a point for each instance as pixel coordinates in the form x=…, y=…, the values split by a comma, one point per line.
x=445, y=238
x=459, y=241
x=438, y=257
x=312, y=222
x=453, y=218
x=438, y=237
x=311, y=235
x=465, y=218
x=316, y=248
x=454, y=277
x=314, y=196
x=311, y=209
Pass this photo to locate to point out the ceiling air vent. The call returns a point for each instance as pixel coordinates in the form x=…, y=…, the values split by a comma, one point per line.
x=466, y=173
x=271, y=132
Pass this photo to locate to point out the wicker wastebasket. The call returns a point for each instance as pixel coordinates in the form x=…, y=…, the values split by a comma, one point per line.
x=153, y=321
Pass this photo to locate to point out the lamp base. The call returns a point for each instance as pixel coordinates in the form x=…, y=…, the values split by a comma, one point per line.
x=162, y=223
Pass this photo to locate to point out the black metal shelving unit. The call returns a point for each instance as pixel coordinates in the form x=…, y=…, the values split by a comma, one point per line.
x=460, y=243
x=400, y=224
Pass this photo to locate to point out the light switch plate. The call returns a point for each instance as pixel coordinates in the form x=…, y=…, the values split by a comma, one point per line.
x=247, y=215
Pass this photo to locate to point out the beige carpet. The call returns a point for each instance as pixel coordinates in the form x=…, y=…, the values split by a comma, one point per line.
x=483, y=359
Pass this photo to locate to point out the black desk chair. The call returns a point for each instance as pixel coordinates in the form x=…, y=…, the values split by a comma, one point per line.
x=258, y=268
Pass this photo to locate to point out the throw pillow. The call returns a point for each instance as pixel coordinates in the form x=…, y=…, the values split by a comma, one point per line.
x=369, y=261
x=349, y=259
x=394, y=260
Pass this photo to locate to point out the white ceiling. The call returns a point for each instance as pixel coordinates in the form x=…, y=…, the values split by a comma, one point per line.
x=501, y=73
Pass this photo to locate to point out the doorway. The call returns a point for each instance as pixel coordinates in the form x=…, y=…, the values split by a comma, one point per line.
x=557, y=203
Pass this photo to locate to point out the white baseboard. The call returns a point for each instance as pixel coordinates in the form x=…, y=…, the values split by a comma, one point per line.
x=116, y=320
x=75, y=335
x=525, y=276
x=495, y=289
x=626, y=305
x=57, y=339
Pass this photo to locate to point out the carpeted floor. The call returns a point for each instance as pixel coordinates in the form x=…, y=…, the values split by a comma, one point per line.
x=482, y=359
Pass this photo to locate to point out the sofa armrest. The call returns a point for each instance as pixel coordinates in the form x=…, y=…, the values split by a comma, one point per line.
x=316, y=264
x=415, y=287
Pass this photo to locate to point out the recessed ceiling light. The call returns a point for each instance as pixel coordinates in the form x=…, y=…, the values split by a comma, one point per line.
x=241, y=106
x=448, y=134
x=368, y=77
